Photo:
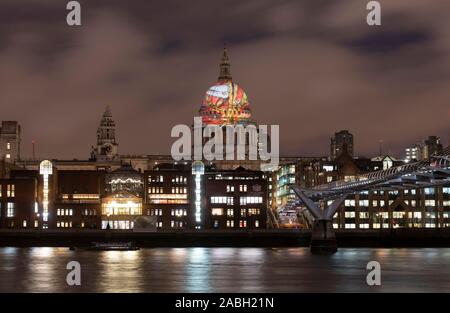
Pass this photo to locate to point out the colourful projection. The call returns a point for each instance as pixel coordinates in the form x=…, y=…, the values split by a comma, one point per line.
x=225, y=103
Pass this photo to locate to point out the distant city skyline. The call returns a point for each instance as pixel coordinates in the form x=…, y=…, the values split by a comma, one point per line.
x=313, y=68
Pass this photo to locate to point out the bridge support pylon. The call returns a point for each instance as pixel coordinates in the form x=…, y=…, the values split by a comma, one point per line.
x=323, y=238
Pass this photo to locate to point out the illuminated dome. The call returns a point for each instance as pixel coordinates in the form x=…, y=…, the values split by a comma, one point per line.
x=225, y=103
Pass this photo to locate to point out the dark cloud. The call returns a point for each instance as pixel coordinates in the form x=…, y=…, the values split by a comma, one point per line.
x=314, y=67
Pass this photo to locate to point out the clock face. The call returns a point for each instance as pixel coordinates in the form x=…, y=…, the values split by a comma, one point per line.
x=108, y=149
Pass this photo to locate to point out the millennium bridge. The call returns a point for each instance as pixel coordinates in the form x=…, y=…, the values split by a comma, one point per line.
x=323, y=201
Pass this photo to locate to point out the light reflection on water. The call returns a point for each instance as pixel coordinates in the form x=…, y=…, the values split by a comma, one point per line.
x=223, y=270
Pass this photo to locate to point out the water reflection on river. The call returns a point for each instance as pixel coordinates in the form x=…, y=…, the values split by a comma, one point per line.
x=224, y=270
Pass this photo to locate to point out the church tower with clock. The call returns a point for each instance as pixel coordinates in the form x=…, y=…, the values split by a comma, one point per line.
x=107, y=147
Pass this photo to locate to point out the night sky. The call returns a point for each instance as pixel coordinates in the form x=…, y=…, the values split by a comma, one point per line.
x=313, y=67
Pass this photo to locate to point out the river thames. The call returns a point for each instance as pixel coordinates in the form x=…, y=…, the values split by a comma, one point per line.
x=224, y=270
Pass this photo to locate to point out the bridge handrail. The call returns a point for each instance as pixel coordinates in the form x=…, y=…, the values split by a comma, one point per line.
x=439, y=161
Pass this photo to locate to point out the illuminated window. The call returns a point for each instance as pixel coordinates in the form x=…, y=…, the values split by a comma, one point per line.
x=217, y=211
x=230, y=188
x=242, y=223
x=230, y=223
x=10, y=209
x=253, y=211
x=363, y=203
x=350, y=226
x=250, y=200
x=256, y=223
x=349, y=203
x=446, y=190
x=242, y=188
x=10, y=191
x=178, y=212
x=350, y=214
x=36, y=223
x=8, y=146
x=243, y=212
x=430, y=202
x=363, y=214
x=429, y=191
x=8, y=156
x=230, y=212
x=364, y=225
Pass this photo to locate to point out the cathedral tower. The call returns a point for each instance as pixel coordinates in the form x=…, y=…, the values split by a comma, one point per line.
x=107, y=147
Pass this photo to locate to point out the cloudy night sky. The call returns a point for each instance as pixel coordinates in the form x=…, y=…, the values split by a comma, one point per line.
x=313, y=67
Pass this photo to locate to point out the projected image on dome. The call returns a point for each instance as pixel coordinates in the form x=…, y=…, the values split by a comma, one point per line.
x=225, y=103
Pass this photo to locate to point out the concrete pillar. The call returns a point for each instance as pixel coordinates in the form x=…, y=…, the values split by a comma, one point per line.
x=323, y=239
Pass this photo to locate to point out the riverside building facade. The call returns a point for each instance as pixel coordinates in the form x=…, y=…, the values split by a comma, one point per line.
x=154, y=192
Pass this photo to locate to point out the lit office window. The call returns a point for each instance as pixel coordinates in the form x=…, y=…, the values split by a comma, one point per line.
x=430, y=202
x=216, y=200
x=8, y=146
x=250, y=200
x=24, y=224
x=242, y=223
x=429, y=191
x=350, y=214
x=363, y=203
x=217, y=211
x=230, y=212
x=253, y=211
x=10, y=209
x=349, y=203
x=256, y=223
x=398, y=214
x=230, y=188
x=230, y=223
x=363, y=214
x=10, y=191
x=350, y=226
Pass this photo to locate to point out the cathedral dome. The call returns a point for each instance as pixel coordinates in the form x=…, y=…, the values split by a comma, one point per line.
x=225, y=103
